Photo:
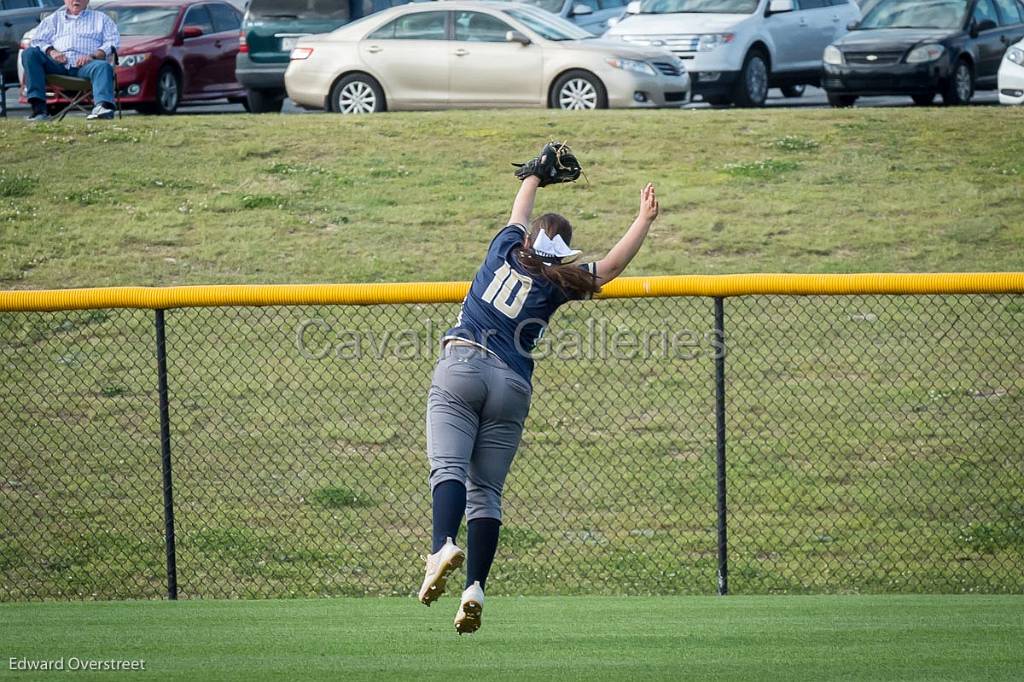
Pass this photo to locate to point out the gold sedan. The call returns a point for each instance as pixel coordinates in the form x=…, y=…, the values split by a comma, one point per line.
x=477, y=54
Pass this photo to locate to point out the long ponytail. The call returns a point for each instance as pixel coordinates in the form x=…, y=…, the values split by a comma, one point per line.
x=575, y=281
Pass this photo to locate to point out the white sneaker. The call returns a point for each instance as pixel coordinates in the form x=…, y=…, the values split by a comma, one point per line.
x=440, y=564
x=100, y=111
x=469, y=615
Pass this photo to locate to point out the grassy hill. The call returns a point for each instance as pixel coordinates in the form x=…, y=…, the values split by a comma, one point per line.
x=416, y=196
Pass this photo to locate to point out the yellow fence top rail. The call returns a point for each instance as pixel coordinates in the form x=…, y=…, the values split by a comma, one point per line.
x=454, y=292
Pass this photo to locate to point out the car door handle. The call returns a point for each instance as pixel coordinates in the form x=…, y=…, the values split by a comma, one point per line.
x=803, y=22
x=461, y=52
x=217, y=44
x=374, y=49
x=1004, y=40
x=8, y=24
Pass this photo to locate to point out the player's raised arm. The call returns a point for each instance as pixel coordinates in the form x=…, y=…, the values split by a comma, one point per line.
x=612, y=265
x=522, y=207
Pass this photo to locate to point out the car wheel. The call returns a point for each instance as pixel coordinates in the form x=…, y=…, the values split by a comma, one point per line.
x=960, y=88
x=924, y=99
x=752, y=87
x=841, y=101
x=578, y=90
x=244, y=101
x=265, y=101
x=357, y=94
x=793, y=90
x=168, y=91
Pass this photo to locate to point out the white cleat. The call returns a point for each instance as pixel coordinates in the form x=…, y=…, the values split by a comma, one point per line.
x=440, y=564
x=470, y=611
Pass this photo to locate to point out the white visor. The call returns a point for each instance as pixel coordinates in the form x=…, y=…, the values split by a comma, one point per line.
x=546, y=247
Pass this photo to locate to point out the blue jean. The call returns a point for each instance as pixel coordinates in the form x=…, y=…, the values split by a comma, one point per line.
x=38, y=65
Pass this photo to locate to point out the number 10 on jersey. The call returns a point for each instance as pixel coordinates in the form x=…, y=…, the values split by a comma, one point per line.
x=500, y=291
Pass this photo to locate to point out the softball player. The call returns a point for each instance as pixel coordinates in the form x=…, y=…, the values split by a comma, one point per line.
x=480, y=393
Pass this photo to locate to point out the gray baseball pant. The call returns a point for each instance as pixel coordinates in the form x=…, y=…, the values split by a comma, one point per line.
x=475, y=413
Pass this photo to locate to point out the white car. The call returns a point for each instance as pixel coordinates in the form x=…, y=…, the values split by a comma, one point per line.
x=477, y=54
x=1011, y=75
x=735, y=50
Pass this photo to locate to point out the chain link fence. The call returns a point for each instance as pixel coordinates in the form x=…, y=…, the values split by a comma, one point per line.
x=872, y=444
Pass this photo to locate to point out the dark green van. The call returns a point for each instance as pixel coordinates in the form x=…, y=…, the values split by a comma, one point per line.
x=270, y=30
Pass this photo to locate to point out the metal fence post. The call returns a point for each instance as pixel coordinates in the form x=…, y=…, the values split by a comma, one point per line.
x=723, y=559
x=165, y=454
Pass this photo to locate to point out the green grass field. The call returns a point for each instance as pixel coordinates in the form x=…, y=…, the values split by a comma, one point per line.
x=322, y=199
x=928, y=638
x=874, y=442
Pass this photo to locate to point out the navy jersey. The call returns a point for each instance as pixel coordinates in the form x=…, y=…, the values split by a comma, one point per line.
x=507, y=310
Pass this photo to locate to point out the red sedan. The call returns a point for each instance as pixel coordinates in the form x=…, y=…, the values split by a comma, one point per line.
x=173, y=52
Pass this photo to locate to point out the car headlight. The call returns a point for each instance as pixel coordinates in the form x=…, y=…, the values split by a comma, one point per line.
x=925, y=53
x=710, y=41
x=832, y=55
x=632, y=65
x=130, y=60
x=1015, y=55
x=641, y=40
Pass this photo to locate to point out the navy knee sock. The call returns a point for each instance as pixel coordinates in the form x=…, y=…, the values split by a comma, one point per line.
x=449, y=507
x=483, y=543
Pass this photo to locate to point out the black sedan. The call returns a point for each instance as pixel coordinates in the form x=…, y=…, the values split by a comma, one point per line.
x=922, y=48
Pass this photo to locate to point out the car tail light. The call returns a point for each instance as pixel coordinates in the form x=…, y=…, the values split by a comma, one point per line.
x=242, y=45
x=301, y=53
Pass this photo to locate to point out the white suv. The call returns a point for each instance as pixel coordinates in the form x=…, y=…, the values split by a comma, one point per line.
x=736, y=49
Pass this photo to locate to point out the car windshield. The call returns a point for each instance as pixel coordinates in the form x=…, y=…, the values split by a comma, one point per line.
x=368, y=20
x=548, y=25
x=698, y=6
x=299, y=9
x=139, y=20
x=553, y=6
x=916, y=14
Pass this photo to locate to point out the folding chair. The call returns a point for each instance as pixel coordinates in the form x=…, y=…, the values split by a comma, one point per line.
x=78, y=91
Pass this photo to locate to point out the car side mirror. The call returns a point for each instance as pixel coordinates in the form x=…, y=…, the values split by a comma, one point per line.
x=980, y=27
x=579, y=10
x=191, y=32
x=516, y=37
x=780, y=6
x=852, y=26
x=633, y=7
x=614, y=21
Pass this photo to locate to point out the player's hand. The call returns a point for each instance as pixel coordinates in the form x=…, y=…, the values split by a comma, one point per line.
x=82, y=61
x=58, y=56
x=648, y=203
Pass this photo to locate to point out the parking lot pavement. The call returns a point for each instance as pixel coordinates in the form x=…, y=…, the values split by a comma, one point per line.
x=813, y=98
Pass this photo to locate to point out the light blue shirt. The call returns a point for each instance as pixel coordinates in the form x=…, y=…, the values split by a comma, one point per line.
x=77, y=36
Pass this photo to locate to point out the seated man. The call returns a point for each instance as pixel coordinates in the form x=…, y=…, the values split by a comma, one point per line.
x=75, y=42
